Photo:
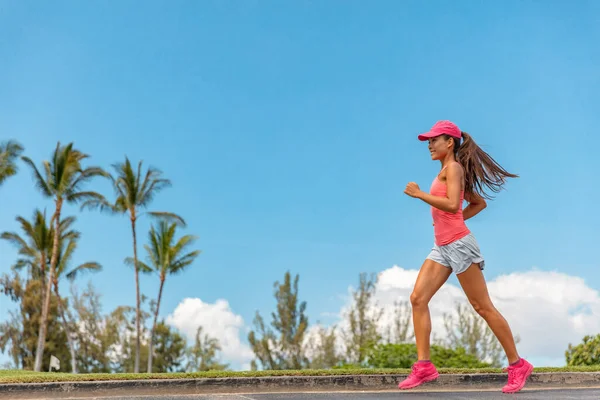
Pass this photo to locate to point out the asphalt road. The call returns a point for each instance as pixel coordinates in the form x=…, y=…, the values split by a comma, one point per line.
x=579, y=394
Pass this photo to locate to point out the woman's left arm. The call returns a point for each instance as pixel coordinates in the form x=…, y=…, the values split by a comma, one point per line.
x=475, y=206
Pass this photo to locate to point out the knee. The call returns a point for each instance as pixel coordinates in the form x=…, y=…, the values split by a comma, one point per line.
x=418, y=300
x=485, y=309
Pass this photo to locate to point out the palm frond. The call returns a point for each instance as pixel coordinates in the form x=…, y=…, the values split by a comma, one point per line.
x=101, y=205
x=95, y=171
x=85, y=175
x=27, y=226
x=168, y=217
x=65, y=163
x=182, y=262
x=85, y=267
x=138, y=175
x=15, y=240
x=143, y=186
x=142, y=267
x=25, y=263
x=84, y=196
x=126, y=183
x=154, y=249
x=64, y=257
x=121, y=205
x=69, y=235
x=183, y=243
x=124, y=194
x=9, y=153
x=11, y=148
x=50, y=181
x=40, y=182
x=147, y=193
x=66, y=223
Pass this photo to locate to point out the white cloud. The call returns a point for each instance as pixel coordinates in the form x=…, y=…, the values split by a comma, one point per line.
x=217, y=320
x=548, y=310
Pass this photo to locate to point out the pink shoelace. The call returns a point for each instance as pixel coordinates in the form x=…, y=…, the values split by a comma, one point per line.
x=511, y=374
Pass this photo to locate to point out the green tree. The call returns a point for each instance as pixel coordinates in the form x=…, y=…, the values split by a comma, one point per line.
x=123, y=320
x=469, y=331
x=10, y=336
x=404, y=355
x=283, y=347
x=97, y=334
x=24, y=326
x=62, y=180
x=135, y=191
x=400, y=329
x=166, y=256
x=362, y=319
x=585, y=353
x=9, y=153
x=170, y=348
x=322, y=347
x=203, y=355
x=11, y=331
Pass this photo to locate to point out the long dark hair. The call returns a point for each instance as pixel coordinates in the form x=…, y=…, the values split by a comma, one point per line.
x=480, y=169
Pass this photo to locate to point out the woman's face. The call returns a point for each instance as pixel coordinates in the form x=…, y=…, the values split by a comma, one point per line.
x=439, y=146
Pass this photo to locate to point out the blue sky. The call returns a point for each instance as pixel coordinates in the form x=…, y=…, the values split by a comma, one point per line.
x=289, y=132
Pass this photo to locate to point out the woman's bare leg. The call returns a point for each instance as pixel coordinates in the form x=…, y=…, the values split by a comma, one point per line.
x=473, y=283
x=430, y=279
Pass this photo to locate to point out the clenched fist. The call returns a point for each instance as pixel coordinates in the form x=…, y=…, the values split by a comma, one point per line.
x=412, y=189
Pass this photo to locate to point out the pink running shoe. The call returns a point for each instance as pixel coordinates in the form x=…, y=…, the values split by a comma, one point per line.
x=517, y=376
x=421, y=373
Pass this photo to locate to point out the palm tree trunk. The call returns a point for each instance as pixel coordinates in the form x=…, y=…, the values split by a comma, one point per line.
x=137, y=292
x=39, y=351
x=68, y=332
x=43, y=268
x=160, y=289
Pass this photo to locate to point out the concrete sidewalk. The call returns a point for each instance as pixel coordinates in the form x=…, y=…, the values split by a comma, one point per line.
x=285, y=384
x=528, y=394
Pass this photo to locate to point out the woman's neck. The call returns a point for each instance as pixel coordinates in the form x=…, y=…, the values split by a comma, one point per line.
x=447, y=160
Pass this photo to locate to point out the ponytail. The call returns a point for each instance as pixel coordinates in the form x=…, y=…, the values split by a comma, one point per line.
x=480, y=169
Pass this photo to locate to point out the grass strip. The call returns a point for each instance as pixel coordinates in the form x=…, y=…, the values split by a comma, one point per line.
x=21, y=376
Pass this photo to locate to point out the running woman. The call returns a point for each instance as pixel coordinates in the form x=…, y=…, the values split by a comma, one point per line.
x=465, y=170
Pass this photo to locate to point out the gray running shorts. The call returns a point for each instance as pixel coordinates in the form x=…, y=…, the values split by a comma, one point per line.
x=458, y=255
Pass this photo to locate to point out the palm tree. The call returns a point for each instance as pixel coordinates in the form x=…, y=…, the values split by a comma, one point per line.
x=134, y=191
x=35, y=248
x=64, y=259
x=9, y=153
x=62, y=180
x=166, y=257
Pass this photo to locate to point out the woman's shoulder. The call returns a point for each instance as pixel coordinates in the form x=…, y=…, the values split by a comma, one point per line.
x=455, y=166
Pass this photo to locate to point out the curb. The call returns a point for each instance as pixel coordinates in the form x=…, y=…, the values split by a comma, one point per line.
x=83, y=389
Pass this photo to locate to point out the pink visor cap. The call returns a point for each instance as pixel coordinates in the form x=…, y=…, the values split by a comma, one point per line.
x=441, y=128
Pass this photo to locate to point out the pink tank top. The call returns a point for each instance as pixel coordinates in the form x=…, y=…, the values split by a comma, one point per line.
x=447, y=227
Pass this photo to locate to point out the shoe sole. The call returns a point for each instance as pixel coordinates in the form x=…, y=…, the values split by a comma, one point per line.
x=429, y=378
x=529, y=371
